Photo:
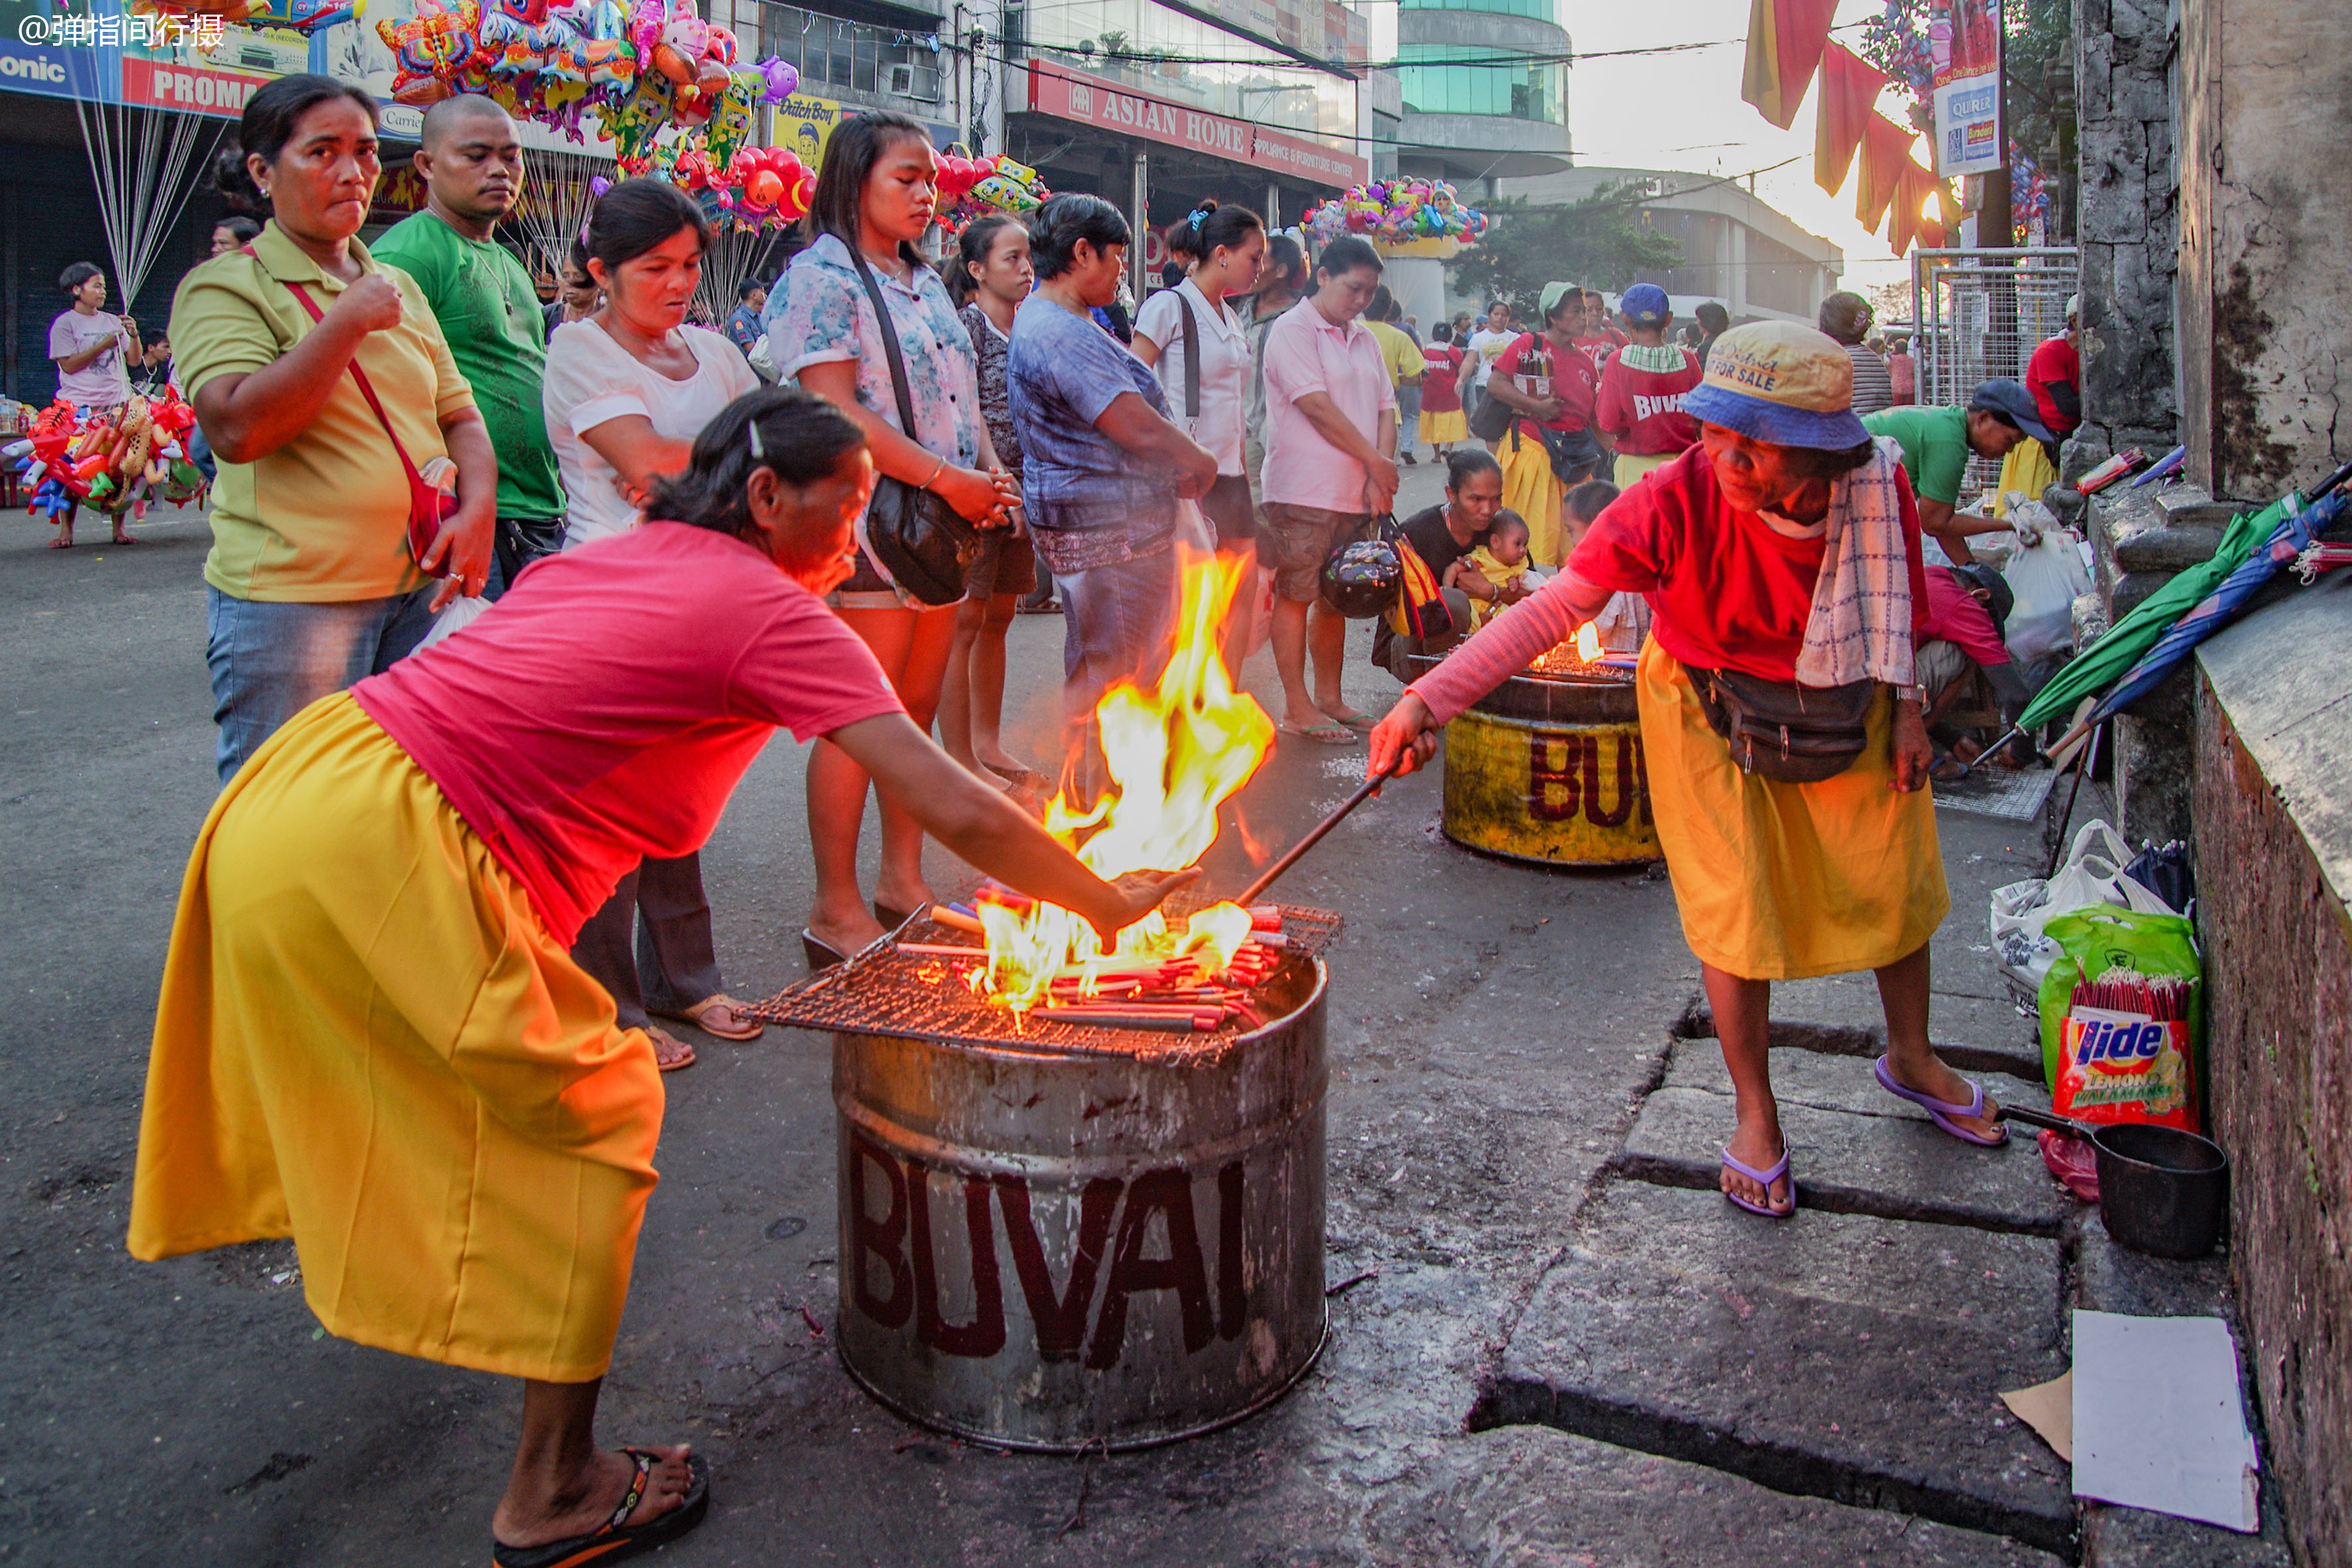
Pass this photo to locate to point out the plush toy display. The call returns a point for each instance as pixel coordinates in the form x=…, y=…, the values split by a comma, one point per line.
x=1396, y=212
x=117, y=464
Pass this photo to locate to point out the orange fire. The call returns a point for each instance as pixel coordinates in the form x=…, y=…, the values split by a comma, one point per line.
x=1174, y=754
x=1588, y=643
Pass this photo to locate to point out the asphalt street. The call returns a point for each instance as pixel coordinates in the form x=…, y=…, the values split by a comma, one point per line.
x=1506, y=1043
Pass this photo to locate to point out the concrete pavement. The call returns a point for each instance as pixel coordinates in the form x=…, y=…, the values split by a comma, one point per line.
x=1565, y=1348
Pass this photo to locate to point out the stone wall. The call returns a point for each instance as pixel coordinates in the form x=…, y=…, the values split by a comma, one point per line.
x=2127, y=222
x=2274, y=856
x=2265, y=297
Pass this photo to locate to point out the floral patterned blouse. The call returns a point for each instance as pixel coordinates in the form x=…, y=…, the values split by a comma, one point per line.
x=821, y=313
x=995, y=402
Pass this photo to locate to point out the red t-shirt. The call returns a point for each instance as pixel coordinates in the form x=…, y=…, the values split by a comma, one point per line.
x=1955, y=614
x=1643, y=408
x=604, y=710
x=2055, y=361
x=1440, y=393
x=1597, y=348
x=1725, y=590
x=1534, y=369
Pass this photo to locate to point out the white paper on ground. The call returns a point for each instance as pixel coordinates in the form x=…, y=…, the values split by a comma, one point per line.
x=2159, y=1423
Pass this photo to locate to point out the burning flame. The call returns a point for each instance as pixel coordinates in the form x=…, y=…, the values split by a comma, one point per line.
x=1588, y=643
x=1175, y=754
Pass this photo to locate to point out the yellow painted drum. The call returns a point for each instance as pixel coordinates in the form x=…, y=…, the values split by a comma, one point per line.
x=1552, y=771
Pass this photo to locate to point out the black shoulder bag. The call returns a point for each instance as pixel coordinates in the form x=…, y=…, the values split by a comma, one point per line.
x=1191, y=363
x=924, y=543
x=1495, y=419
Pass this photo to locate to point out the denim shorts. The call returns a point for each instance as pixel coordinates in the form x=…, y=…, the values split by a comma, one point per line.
x=1116, y=624
x=271, y=660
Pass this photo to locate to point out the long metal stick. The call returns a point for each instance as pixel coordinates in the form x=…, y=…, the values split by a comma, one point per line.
x=1251, y=894
x=2090, y=759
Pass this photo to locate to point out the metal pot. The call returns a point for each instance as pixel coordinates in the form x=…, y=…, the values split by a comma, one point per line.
x=2162, y=1191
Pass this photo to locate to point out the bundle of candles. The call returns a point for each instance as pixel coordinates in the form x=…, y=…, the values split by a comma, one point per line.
x=1584, y=658
x=2160, y=998
x=1191, y=992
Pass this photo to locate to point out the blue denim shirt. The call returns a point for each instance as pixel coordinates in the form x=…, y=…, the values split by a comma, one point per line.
x=1090, y=503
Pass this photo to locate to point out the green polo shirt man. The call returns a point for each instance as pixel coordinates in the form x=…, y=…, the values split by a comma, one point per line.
x=1937, y=444
x=471, y=161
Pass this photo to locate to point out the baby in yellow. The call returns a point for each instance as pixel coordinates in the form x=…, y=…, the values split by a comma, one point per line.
x=1502, y=562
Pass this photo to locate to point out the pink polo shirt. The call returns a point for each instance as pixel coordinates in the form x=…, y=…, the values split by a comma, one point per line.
x=1305, y=352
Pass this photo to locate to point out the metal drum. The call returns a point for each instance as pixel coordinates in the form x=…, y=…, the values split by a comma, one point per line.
x=1057, y=1248
x=1551, y=771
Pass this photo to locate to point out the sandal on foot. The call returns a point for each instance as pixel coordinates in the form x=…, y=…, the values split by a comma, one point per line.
x=822, y=955
x=1363, y=724
x=617, y=1540
x=1763, y=1179
x=61, y=544
x=1325, y=734
x=677, y=1063
x=893, y=918
x=1942, y=1112
x=738, y=1027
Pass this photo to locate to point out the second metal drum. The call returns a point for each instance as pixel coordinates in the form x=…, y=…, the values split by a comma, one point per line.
x=1551, y=771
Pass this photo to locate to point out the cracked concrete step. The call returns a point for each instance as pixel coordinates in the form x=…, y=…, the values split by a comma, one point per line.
x=2016, y=1053
x=1837, y=1356
x=1892, y=1163
x=1529, y=1497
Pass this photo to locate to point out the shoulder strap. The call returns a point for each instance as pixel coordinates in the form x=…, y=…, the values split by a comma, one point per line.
x=889, y=346
x=317, y=315
x=1191, y=356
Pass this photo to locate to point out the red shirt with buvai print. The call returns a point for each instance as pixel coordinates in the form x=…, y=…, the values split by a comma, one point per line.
x=1641, y=401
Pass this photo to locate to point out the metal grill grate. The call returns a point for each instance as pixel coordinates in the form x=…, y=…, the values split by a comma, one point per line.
x=883, y=990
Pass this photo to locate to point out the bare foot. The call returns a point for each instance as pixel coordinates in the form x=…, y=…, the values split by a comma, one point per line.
x=1949, y=1087
x=585, y=1504
x=1758, y=1145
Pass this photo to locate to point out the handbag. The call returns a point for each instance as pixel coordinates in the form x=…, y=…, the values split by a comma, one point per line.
x=1420, y=610
x=1495, y=418
x=1192, y=365
x=1797, y=734
x=429, y=506
x=924, y=543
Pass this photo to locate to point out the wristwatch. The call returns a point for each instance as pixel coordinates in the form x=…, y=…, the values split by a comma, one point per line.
x=1912, y=694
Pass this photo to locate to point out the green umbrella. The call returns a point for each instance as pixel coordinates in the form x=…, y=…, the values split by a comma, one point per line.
x=2133, y=636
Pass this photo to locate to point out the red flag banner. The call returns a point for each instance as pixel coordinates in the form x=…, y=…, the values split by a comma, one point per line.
x=1849, y=89
x=1785, y=40
x=1885, y=154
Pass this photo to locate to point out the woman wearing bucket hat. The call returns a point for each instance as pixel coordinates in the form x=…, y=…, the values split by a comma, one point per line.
x=1779, y=717
x=1551, y=384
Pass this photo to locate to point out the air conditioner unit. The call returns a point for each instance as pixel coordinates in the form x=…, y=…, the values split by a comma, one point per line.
x=906, y=81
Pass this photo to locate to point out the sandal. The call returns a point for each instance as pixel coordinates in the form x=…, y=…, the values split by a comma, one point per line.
x=1941, y=1111
x=617, y=1540
x=1325, y=734
x=821, y=954
x=681, y=1054
x=738, y=1027
x=1363, y=724
x=1764, y=1179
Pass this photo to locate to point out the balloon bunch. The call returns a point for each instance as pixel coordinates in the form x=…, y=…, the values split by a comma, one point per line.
x=118, y=462
x=757, y=187
x=1397, y=212
x=640, y=66
x=973, y=187
x=297, y=16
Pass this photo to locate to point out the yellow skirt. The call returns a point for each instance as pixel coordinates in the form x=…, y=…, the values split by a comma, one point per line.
x=367, y=1041
x=2027, y=468
x=1530, y=488
x=1632, y=466
x=1783, y=881
x=1443, y=430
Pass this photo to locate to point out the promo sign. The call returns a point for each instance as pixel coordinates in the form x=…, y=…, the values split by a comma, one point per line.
x=1964, y=45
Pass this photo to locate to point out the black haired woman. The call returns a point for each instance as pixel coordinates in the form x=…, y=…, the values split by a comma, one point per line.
x=93, y=350
x=314, y=421
x=1102, y=463
x=625, y=393
x=876, y=195
x=1227, y=248
x=372, y=1037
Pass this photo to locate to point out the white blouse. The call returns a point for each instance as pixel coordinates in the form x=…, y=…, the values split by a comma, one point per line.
x=1224, y=367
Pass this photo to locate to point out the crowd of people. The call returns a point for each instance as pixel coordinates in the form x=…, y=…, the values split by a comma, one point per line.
x=408, y=1011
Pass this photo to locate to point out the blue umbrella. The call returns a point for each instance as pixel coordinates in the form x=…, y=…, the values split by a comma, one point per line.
x=2217, y=609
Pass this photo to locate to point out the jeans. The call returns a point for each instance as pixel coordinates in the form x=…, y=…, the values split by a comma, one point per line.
x=520, y=542
x=671, y=965
x=200, y=452
x=1116, y=624
x=271, y=660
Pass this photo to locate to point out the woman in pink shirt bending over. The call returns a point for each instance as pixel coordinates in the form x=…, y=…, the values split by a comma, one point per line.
x=372, y=1036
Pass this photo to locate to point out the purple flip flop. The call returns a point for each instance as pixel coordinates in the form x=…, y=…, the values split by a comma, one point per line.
x=1942, y=1110
x=1764, y=1179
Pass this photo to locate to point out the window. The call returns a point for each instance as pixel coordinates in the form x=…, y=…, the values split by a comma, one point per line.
x=1515, y=90
x=1538, y=9
x=831, y=53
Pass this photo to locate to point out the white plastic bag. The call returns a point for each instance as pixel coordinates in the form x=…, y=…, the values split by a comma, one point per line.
x=2043, y=579
x=454, y=617
x=762, y=361
x=2092, y=873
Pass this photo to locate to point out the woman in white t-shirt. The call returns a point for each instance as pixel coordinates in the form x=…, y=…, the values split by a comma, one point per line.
x=1228, y=248
x=626, y=391
x=91, y=349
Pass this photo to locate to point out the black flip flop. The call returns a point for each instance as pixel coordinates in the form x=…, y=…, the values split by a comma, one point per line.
x=615, y=1541
x=821, y=953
